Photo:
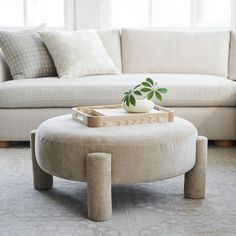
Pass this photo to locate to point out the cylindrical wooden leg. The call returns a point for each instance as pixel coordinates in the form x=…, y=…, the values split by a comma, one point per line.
x=224, y=143
x=99, y=186
x=42, y=180
x=5, y=144
x=195, y=179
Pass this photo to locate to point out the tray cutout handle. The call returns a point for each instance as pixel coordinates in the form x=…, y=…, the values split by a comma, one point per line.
x=78, y=117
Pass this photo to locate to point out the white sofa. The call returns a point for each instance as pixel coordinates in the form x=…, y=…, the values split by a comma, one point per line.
x=198, y=68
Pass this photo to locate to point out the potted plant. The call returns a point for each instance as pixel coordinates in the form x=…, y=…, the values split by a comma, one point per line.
x=147, y=90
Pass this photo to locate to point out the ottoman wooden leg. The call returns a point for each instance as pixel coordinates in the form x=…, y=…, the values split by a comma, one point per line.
x=99, y=186
x=195, y=179
x=42, y=180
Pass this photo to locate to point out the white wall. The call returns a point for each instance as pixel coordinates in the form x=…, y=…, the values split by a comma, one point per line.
x=233, y=13
x=95, y=14
x=88, y=14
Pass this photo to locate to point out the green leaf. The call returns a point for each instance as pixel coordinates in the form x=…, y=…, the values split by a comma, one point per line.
x=126, y=93
x=136, y=92
x=146, y=84
x=158, y=96
x=149, y=80
x=150, y=95
x=132, y=100
x=145, y=90
x=162, y=90
x=137, y=86
x=127, y=98
x=124, y=98
x=127, y=101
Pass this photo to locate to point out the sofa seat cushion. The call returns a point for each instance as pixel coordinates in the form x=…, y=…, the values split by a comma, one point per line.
x=183, y=90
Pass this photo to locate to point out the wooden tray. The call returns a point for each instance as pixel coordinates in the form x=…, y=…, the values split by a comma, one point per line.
x=114, y=115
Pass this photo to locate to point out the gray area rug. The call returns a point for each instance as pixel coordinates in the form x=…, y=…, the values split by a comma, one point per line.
x=142, y=209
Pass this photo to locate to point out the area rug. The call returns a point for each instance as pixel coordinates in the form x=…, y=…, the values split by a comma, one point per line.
x=142, y=209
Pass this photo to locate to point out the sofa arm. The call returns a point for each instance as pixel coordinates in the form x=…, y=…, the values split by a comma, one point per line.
x=5, y=73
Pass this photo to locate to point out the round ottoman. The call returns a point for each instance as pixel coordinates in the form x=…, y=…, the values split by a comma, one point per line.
x=117, y=155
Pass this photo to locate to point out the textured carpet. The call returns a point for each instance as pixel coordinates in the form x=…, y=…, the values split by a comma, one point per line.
x=142, y=209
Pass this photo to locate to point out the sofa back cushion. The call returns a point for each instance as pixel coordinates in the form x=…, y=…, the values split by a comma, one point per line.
x=232, y=57
x=152, y=51
x=111, y=42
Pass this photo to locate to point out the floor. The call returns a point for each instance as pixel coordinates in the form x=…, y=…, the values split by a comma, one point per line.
x=142, y=209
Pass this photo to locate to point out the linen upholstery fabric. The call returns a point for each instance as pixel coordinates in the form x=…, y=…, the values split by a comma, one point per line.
x=148, y=51
x=183, y=90
x=42, y=181
x=78, y=53
x=26, y=54
x=216, y=123
x=195, y=179
x=232, y=57
x=99, y=185
x=106, y=156
x=62, y=145
x=112, y=42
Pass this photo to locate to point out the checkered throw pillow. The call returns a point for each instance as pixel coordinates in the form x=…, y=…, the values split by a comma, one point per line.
x=26, y=54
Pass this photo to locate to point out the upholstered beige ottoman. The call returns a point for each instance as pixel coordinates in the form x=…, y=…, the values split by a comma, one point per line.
x=111, y=155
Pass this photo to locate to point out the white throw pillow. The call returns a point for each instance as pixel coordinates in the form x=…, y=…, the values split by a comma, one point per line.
x=78, y=53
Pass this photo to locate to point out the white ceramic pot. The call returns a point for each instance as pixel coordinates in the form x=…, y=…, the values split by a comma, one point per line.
x=141, y=106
